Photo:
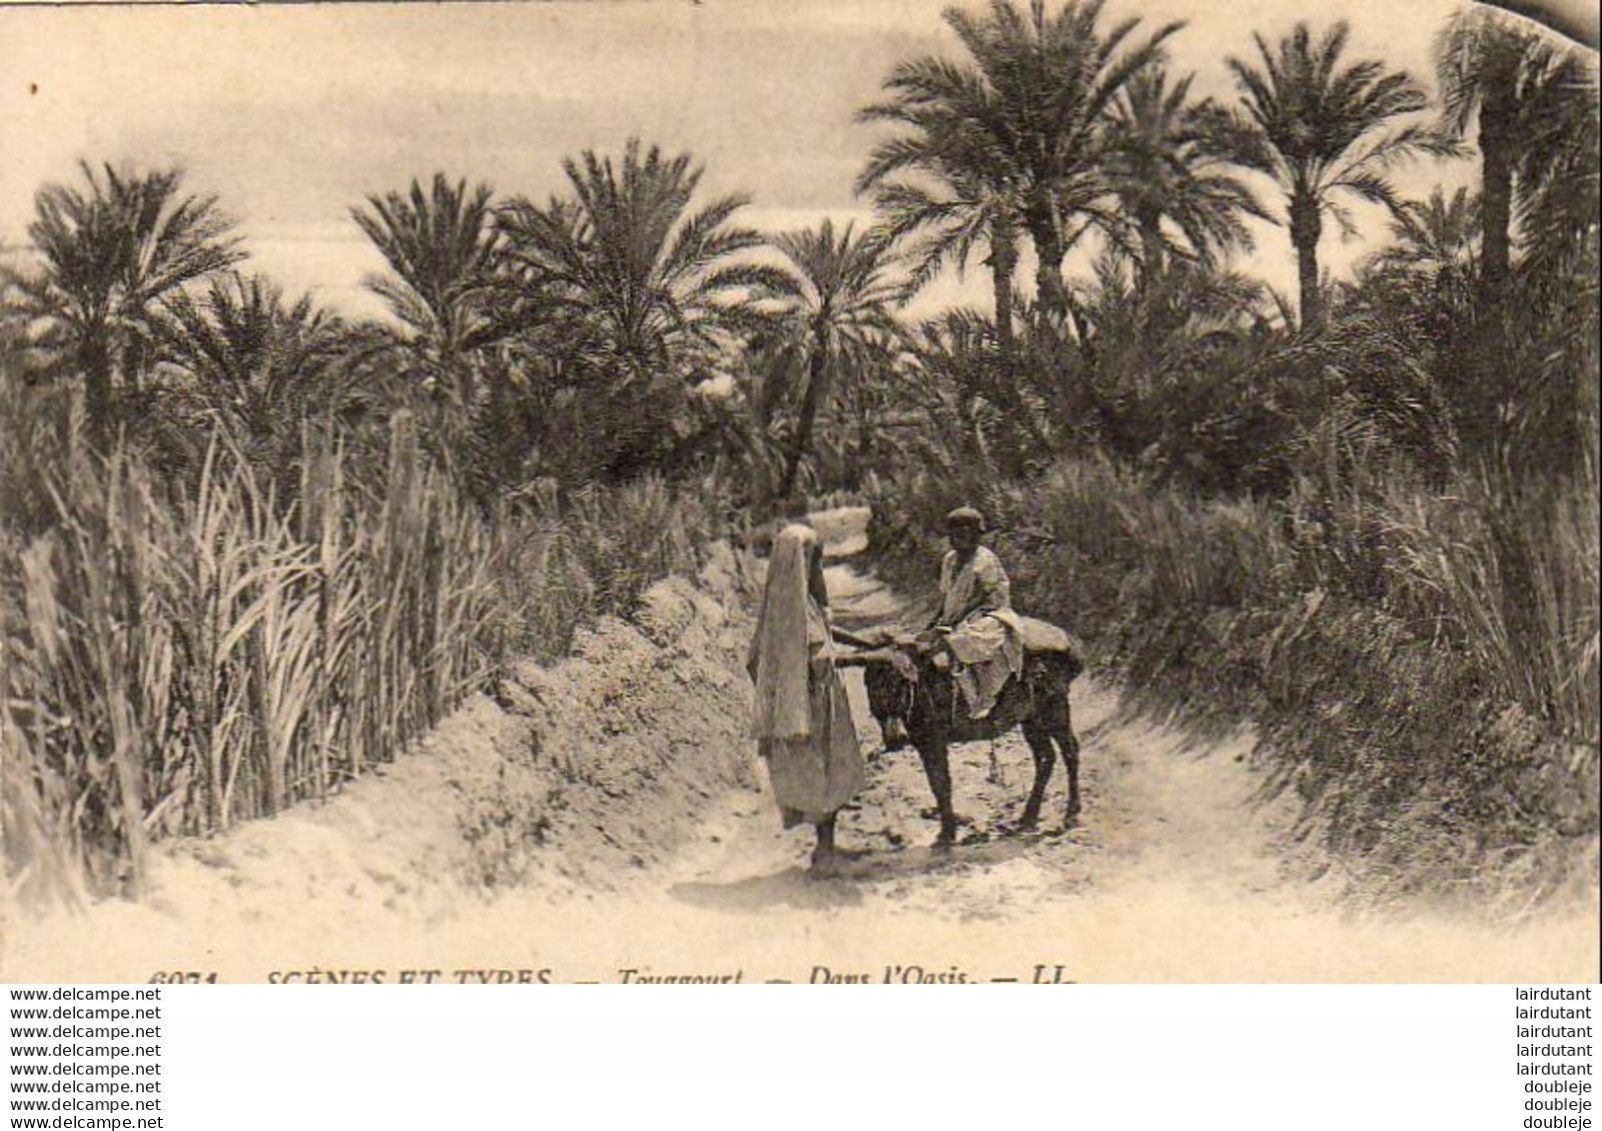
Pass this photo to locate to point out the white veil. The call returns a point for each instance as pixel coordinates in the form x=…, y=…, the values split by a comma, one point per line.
x=781, y=648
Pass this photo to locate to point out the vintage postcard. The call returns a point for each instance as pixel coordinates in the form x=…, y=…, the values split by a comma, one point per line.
x=738, y=491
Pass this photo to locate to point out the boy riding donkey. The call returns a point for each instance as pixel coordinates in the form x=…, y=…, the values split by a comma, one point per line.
x=963, y=679
x=976, y=625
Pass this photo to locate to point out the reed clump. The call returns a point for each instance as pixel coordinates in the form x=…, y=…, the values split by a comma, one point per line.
x=178, y=657
x=1422, y=666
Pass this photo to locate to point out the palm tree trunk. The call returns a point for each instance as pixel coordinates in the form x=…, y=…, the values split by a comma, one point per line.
x=1484, y=373
x=1151, y=243
x=1305, y=228
x=859, y=459
x=1496, y=189
x=133, y=365
x=95, y=359
x=1003, y=262
x=1048, y=280
x=1312, y=305
x=811, y=400
x=1049, y=251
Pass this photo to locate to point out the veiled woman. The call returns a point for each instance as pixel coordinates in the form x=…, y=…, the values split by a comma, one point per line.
x=801, y=718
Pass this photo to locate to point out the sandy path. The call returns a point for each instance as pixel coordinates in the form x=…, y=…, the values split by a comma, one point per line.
x=1176, y=873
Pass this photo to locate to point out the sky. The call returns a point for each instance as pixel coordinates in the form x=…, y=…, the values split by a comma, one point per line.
x=292, y=114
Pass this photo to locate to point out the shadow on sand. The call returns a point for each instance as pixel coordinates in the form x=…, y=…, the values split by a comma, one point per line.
x=798, y=888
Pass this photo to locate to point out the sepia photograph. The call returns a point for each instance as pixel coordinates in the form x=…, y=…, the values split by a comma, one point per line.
x=741, y=492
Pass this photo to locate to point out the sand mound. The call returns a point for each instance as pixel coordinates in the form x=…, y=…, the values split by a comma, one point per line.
x=634, y=734
x=574, y=776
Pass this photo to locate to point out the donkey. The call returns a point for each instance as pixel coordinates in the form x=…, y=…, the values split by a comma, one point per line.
x=913, y=697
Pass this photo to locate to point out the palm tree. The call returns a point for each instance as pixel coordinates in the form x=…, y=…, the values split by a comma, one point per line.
x=1522, y=84
x=626, y=255
x=995, y=414
x=833, y=308
x=1168, y=173
x=445, y=286
x=1429, y=272
x=963, y=196
x=1313, y=127
x=1557, y=207
x=1060, y=75
x=17, y=345
x=111, y=250
x=642, y=288
x=244, y=357
x=248, y=352
x=1433, y=236
x=1030, y=116
x=951, y=222
x=950, y=384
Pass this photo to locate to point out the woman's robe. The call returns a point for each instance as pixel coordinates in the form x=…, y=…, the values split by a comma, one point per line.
x=802, y=718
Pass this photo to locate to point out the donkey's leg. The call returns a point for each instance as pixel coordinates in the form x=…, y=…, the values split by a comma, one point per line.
x=937, y=768
x=1045, y=754
x=1068, y=743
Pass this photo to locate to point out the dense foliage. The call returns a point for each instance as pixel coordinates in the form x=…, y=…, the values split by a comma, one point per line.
x=249, y=546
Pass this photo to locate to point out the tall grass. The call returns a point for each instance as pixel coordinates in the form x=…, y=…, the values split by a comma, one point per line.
x=561, y=562
x=1512, y=579
x=179, y=659
x=1423, y=666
